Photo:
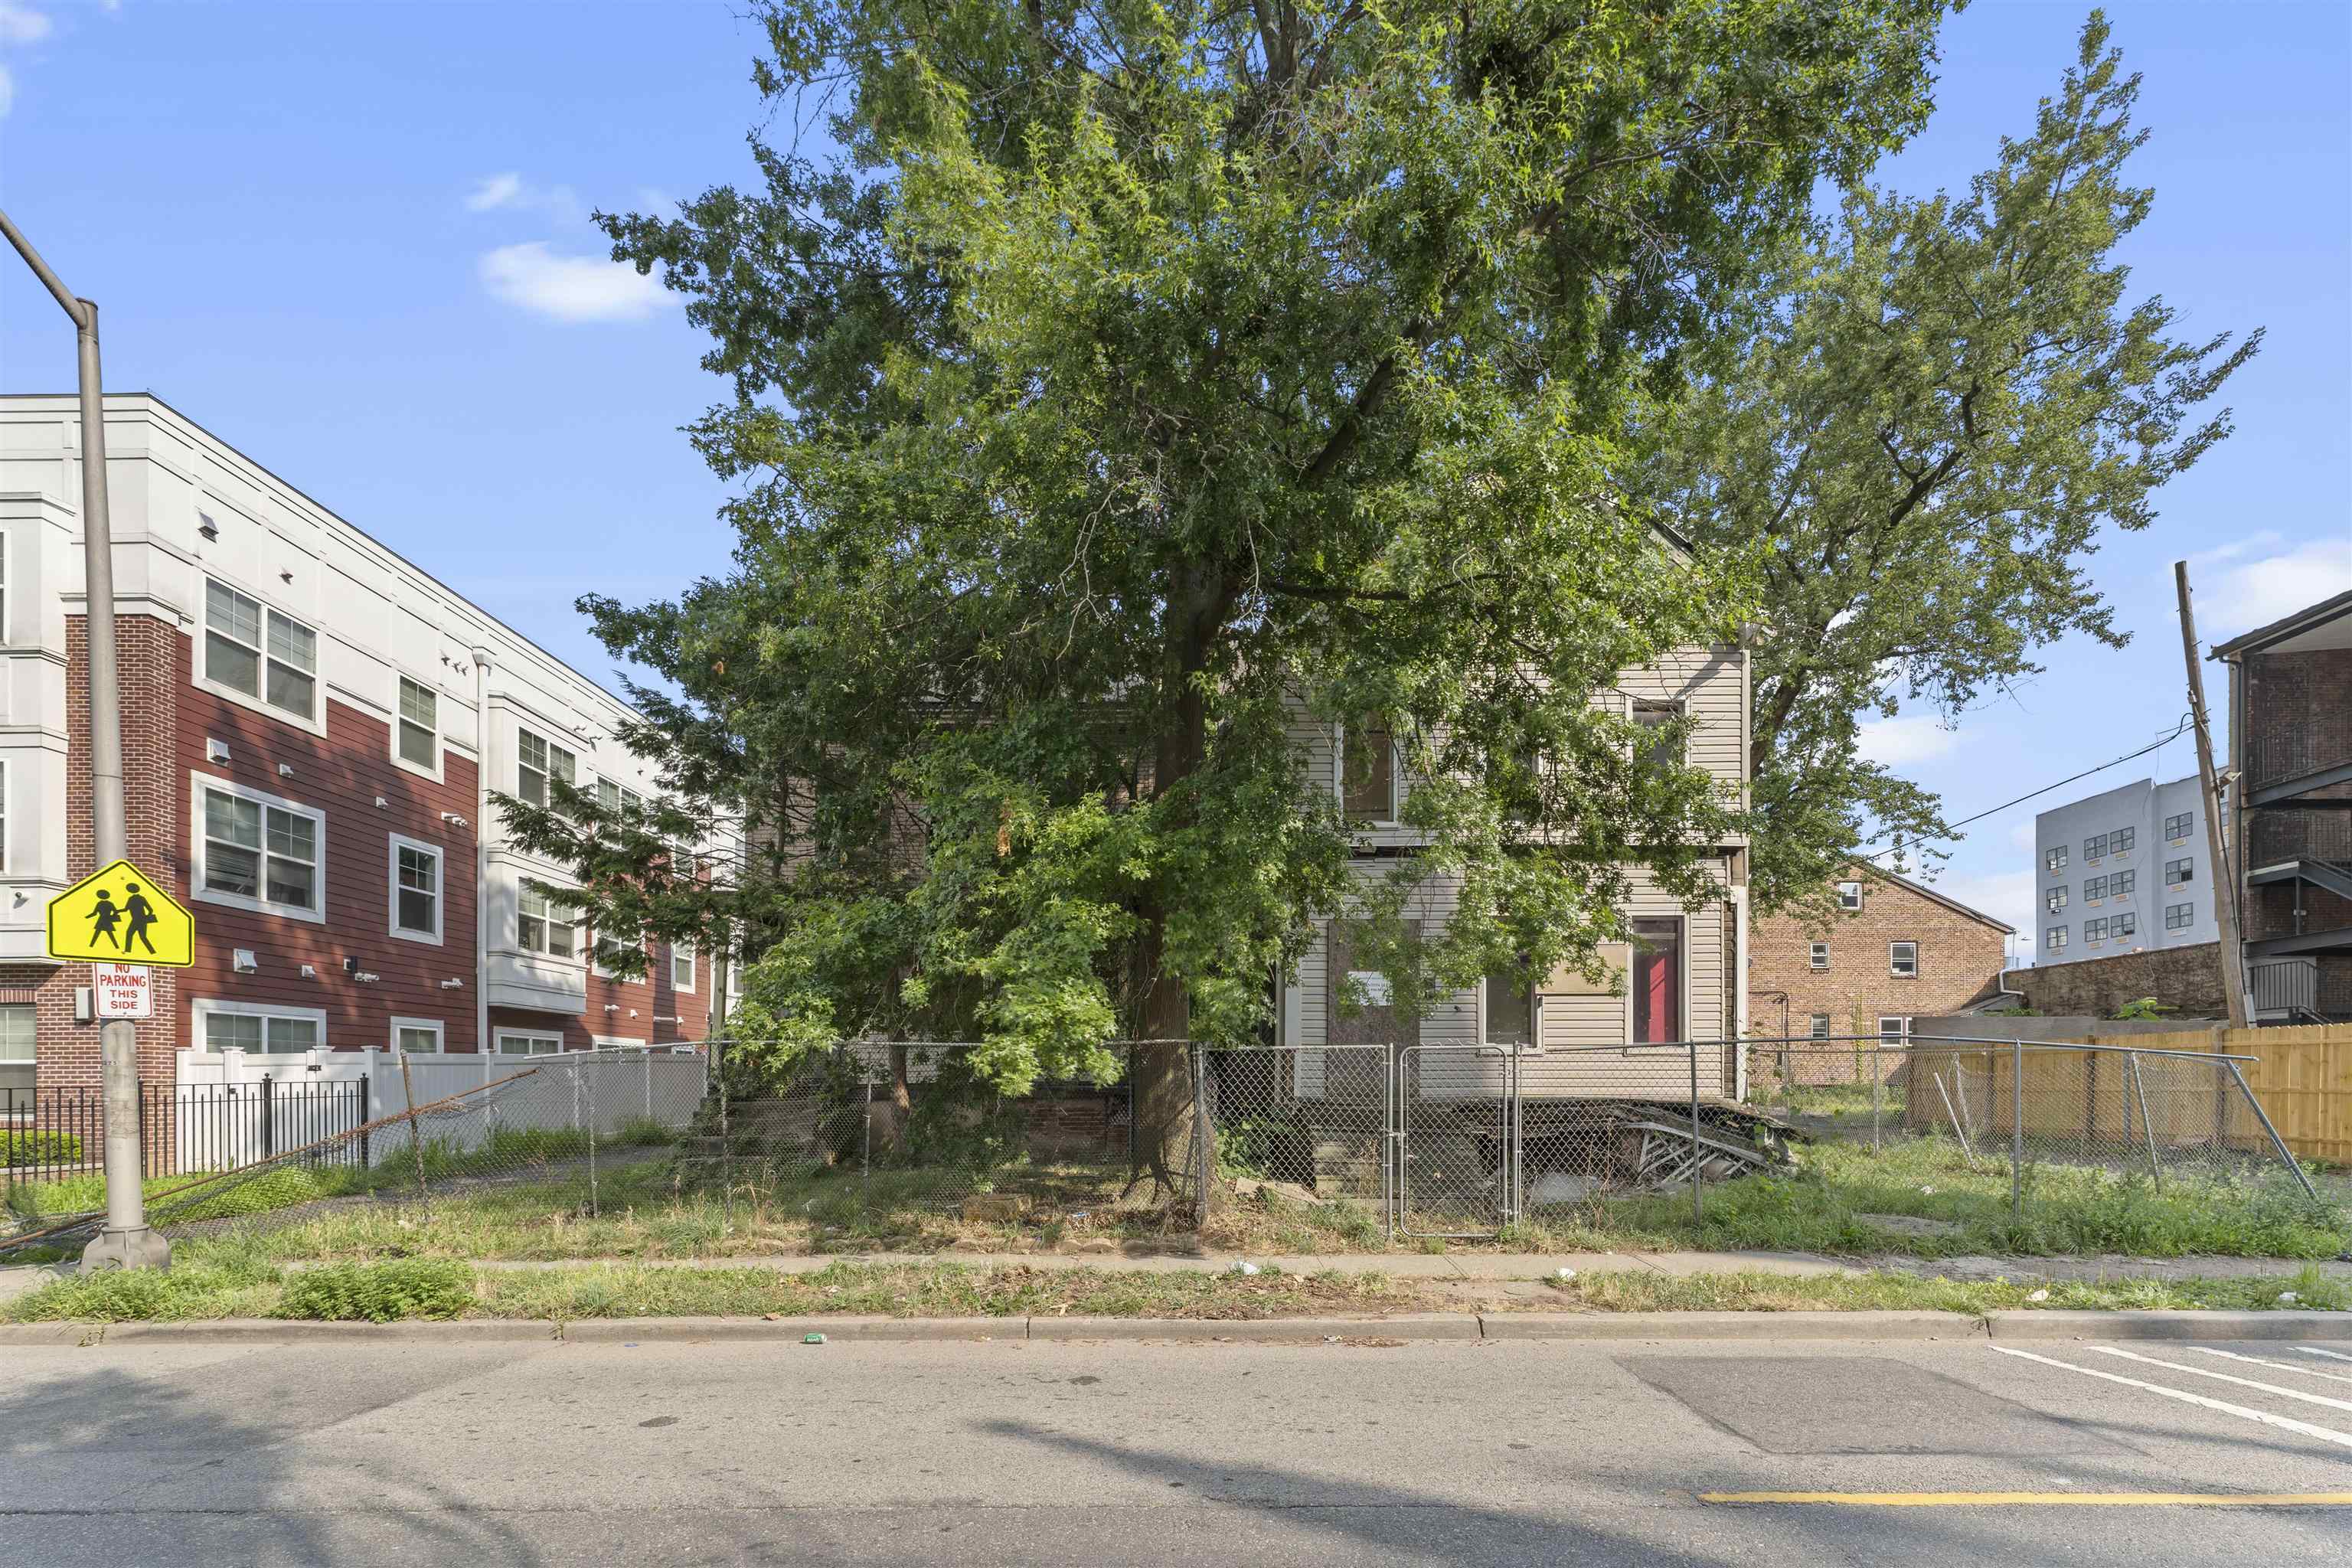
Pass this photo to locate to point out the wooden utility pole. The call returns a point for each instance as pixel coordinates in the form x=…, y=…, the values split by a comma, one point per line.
x=2225, y=885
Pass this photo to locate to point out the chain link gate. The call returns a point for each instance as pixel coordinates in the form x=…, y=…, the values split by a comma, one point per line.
x=1456, y=1142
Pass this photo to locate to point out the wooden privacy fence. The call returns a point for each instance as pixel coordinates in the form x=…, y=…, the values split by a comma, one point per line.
x=2301, y=1078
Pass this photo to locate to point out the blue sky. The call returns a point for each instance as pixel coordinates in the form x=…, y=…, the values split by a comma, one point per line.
x=352, y=240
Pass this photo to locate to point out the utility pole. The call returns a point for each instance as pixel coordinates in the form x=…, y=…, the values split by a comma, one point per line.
x=126, y=1242
x=2225, y=885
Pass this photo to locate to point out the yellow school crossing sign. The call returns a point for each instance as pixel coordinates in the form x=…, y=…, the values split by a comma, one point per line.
x=118, y=914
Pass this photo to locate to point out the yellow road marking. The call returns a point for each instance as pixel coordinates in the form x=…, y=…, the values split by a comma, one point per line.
x=2036, y=1499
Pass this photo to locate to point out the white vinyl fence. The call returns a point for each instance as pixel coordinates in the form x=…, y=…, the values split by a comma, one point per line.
x=237, y=1107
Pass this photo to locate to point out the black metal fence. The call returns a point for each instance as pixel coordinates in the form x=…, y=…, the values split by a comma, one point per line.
x=48, y=1134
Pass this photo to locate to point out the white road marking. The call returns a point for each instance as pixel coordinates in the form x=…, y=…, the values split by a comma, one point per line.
x=2284, y=1423
x=2275, y=1365
x=2344, y=1405
x=2331, y=1355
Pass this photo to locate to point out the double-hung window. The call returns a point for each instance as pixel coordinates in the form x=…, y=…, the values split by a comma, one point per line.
x=258, y=852
x=1894, y=1031
x=1656, y=752
x=1903, y=959
x=1368, y=775
x=1817, y=954
x=1818, y=1027
x=537, y=761
x=264, y=653
x=18, y=1042
x=417, y=730
x=545, y=925
x=1849, y=895
x=415, y=890
x=681, y=966
x=620, y=800
x=2182, y=872
x=612, y=954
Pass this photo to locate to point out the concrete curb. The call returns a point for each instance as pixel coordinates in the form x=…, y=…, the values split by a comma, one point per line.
x=1422, y=1327
x=2167, y=1325
x=1879, y=1325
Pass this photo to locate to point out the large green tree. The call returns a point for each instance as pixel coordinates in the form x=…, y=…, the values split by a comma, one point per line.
x=1139, y=378
x=1926, y=414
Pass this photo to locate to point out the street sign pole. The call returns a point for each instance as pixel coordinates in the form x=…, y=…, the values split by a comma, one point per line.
x=126, y=1242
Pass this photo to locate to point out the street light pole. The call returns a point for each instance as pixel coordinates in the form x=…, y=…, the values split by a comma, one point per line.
x=126, y=1242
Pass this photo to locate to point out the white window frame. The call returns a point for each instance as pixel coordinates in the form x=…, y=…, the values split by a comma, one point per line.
x=392, y=888
x=499, y=1039
x=315, y=721
x=686, y=950
x=1339, y=778
x=550, y=922
x=1843, y=890
x=205, y=1008
x=198, y=783
x=1821, y=1032
x=1893, y=964
x=547, y=790
x=440, y=1035
x=1817, y=956
x=5, y=782
x=619, y=1043
x=400, y=717
x=1902, y=1035
x=606, y=972
x=628, y=803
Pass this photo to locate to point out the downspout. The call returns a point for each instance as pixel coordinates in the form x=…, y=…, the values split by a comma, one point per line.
x=482, y=851
x=1738, y=900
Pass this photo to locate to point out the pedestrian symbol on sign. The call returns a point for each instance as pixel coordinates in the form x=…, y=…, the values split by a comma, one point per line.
x=118, y=914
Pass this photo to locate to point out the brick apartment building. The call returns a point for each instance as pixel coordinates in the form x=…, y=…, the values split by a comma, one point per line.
x=312, y=727
x=2291, y=809
x=1898, y=949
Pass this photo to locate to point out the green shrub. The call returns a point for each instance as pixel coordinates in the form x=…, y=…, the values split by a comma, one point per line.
x=382, y=1293
x=20, y=1149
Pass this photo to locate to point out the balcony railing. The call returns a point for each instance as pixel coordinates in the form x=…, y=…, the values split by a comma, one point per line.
x=2288, y=986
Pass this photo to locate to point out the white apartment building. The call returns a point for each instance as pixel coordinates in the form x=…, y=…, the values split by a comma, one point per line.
x=2125, y=870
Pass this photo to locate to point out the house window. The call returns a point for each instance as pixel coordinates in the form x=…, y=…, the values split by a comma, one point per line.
x=2120, y=841
x=2056, y=858
x=620, y=800
x=612, y=954
x=2122, y=882
x=521, y=1045
x=1894, y=1031
x=418, y=730
x=417, y=1036
x=2180, y=916
x=16, y=1048
x=415, y=890
x=268, y=656
x=1849, y=895
x=1903, y=959
x=2056, y=898
x=1819, y=955
x=1655, y=751
x=543, y=925
x=2093, y=890
x=256, y=851
x=2094, y=931
x=2182, y=872
x=1819, y=1026
x=538, y=760
x=2177, y=828
x=2126, y=924
x=264, y=1031
x=681, y=965
x=3, y=815
x=1368, y=781
x=2094, y=847
x=1657, y=981
x=2054, y=939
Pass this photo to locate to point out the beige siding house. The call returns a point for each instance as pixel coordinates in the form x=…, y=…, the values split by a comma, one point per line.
x=1681, y=981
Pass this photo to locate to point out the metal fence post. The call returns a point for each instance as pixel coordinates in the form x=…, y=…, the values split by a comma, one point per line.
x=866, y=1132
x=2277, y=1143
x=1698, y=1210
x=1201, y=1136
x=2147, y=1125
x=2017, y=1127
x=592, y=1132
x=1392, y=1144
x=1878, y=1074
x=366, y=1104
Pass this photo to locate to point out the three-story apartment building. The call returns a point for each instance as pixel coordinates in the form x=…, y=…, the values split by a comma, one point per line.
x=312, y=728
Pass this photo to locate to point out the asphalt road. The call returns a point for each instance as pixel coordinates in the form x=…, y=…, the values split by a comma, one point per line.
x=1017, y=1452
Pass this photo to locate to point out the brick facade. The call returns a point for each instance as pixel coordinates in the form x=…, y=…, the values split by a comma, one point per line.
x=2186, y=979
x=2298, y=720
x=1961, y=958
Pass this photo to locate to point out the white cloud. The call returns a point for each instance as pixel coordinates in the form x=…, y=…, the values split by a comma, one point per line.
x=569, y=287
x=1906, y=738
x=2263, y=591
x=497, y=191
x=2230, y=551
x=22, y=23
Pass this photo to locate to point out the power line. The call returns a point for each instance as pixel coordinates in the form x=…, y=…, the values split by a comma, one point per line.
x=2180, y=730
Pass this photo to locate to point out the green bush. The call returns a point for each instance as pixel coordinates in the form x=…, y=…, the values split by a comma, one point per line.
x=21, y=1148
x=382, y=1293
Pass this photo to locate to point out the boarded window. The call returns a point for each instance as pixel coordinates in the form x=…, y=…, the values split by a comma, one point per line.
x=1369, y=789
x=1510, y=1009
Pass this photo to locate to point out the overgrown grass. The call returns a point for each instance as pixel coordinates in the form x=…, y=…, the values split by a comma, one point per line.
x=225, y=1283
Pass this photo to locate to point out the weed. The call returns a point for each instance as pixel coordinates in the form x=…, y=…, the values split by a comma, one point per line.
x=381, y=1292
